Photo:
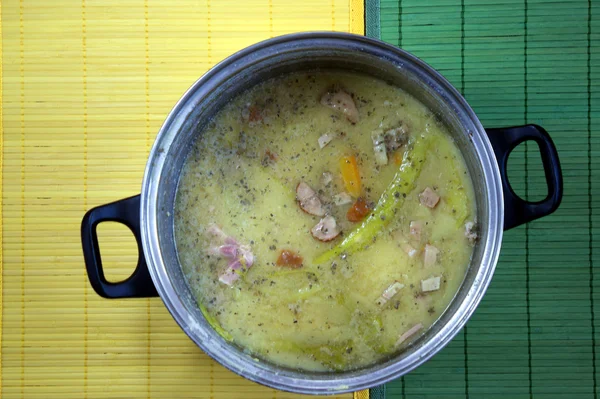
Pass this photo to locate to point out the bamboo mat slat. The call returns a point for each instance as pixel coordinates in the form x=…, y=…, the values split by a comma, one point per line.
x=85, y=86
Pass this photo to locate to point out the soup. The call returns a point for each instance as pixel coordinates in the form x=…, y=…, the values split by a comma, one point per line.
x=324, y=220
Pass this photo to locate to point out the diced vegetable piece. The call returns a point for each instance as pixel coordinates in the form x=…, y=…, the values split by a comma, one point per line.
x=429, y=198
x=410, y=251
x=326, y=229
x=409, y=333
x=326, y=178
x=325, y=139
x=470, y=232
x=431, y=284
x=416, y=228
x=290, y=259
x=430, y=256
x=389, y=293
x=379, y=149
x=350, y=175
x=308, y=200
x=358, y=210
x=341, y=101
x=342, y=199
x=391, y=199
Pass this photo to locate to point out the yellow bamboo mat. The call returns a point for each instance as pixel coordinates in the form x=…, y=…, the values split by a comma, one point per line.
x=85, y=87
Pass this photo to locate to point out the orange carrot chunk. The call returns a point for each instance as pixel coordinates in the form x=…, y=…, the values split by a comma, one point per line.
x=350, y=175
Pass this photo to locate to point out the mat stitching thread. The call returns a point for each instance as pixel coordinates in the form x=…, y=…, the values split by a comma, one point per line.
x=462, y=90
x=590, y=207
x=85, y=166
x=147, y=117
x=332, y=14
x=208, y=34
x=526, y=117
x=22, y=178
x=271, y=18
x=400, y=23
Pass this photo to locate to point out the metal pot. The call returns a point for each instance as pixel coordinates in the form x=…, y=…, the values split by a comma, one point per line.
x=150, y=215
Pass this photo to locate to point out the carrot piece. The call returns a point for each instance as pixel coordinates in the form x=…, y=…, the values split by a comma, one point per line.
x=350, y=175
x=397, y=157
x=358, y=210
x=290, y=259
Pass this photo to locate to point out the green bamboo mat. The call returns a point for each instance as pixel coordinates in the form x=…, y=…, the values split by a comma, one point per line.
x=535, y=332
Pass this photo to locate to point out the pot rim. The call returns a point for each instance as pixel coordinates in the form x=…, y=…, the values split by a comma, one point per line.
x=350, y=381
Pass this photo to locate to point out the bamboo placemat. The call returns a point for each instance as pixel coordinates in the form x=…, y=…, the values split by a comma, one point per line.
x=535, y=333
x=85, y=87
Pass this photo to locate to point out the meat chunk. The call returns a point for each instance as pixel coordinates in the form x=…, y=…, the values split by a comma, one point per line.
x=325, y=139
x=326, y=229
x=342, y=102
x=308, y=200
x=326, y=179
x=410, y=251
x=409, y=333
x=239, y=257
x=431, y=284
x=429, y=198
x=229, y=276
x=342, y=199
x=396, y=138
x=430, y=255
x=389, y=293
x=385, y=144
x=379, y=147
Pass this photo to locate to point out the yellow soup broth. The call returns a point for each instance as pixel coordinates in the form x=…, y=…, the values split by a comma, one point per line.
x=324, y=220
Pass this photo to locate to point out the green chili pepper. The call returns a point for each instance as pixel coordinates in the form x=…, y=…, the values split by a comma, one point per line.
x=215, y=324
x=389, y=202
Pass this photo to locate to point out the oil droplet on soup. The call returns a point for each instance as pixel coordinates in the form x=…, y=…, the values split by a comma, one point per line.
x=324, y=220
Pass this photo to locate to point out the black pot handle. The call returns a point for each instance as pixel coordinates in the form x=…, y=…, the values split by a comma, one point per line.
x=516, y=210
x=127, y=212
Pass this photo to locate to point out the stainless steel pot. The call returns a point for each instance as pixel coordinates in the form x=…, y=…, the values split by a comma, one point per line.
x=150, y=215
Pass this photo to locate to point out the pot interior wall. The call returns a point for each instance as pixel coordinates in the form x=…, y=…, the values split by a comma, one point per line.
x=203, y=104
